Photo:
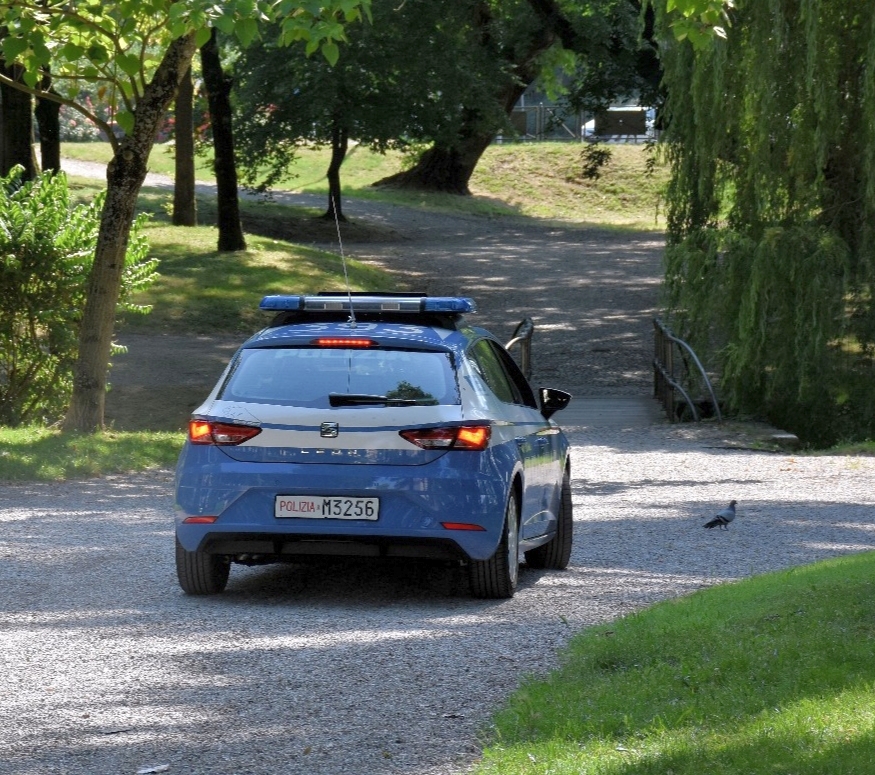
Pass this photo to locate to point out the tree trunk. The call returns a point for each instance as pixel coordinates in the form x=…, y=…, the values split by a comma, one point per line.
x=124, y=177
x=16, y=127
x=48, y=116
x=447, y=168
x=184, y=202
x=218, y=87
x=442, y=168
x=339, y=146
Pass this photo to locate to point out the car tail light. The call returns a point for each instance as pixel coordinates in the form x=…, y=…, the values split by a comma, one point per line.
x=465, y=437
x=345, y=341
x=222, y=433
x=461, y=526
x=199, y=520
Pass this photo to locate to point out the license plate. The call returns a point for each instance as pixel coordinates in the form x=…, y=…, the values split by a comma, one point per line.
x=326, y=507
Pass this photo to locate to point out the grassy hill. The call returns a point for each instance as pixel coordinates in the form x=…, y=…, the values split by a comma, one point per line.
x=540, y=180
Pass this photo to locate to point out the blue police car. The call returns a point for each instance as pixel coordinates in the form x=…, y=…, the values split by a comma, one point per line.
x=373, y=425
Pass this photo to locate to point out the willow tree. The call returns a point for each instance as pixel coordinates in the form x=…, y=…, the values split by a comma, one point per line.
x=133, y=54
x=771, y=209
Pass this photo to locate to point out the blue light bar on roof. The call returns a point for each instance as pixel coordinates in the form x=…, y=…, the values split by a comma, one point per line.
x=455, y=305
x=280, y=303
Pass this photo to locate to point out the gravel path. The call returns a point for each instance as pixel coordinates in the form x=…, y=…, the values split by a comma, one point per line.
x=353, y=667
x=358, y=667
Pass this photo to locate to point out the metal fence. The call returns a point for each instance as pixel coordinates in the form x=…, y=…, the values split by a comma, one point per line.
x=522, y=336
x=548, y=122
x=673, y=374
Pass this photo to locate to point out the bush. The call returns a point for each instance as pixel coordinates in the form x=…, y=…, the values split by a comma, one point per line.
x=46, y=253
x=75, y=128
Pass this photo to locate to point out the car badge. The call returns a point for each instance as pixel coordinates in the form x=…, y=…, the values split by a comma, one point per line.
x=329, y=430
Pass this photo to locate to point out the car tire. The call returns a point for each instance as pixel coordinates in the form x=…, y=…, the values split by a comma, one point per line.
x=556, y=553
x=200, y=573
x=496, y=578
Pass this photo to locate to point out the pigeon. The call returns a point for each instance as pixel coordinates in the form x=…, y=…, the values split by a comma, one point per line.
x=723, y=518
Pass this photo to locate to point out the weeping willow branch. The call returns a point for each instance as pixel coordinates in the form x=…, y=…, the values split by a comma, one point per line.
x=771, y=209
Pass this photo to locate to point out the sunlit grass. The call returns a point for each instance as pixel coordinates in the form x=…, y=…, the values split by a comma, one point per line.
x=543, y=180
x=37, y=453
x=771, y=675
x=538, y=180
x=203, y=291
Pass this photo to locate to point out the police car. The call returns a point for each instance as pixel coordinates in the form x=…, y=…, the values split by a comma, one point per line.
x=373, y=425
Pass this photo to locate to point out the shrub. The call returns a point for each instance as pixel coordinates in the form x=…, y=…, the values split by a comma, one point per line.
x=46, y=253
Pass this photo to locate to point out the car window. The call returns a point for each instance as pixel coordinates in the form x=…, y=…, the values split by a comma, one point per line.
x=303, y=376
x=500, y=373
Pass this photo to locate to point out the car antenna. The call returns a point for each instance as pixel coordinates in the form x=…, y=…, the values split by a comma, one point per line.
x=351, y=320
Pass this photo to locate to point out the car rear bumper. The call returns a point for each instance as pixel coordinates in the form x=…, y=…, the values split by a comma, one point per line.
x=258, y=548
x=467, y=489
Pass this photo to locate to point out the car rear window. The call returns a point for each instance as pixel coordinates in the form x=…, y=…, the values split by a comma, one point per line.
x=307, y=376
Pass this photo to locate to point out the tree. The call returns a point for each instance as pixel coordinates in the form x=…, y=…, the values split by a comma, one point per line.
x=135, y=55
x=697, y=21
x=44, y=261
x=48, y=116
x=16, y=126
x=377, y=95
x=184, y=201
x=529, y=38
x=771, y=210
x=218, y=88
x=597, y=40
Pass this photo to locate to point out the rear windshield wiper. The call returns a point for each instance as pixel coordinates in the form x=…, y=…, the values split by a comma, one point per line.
x=363, y=399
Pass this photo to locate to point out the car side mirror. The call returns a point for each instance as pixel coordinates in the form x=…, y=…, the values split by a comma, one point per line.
x=552, y=401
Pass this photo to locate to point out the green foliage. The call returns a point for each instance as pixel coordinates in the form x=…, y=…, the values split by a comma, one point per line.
x=698, y=21
x=114, y=48
x=46, y=253
x=377, y=94
x=771, y=210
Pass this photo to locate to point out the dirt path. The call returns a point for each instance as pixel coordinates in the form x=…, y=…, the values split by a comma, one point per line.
x=591, y=293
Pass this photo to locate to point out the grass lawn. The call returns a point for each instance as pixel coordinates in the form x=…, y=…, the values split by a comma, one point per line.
x=203, y=291
x=540, y=180
x=37, y=453
x=773, y=675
